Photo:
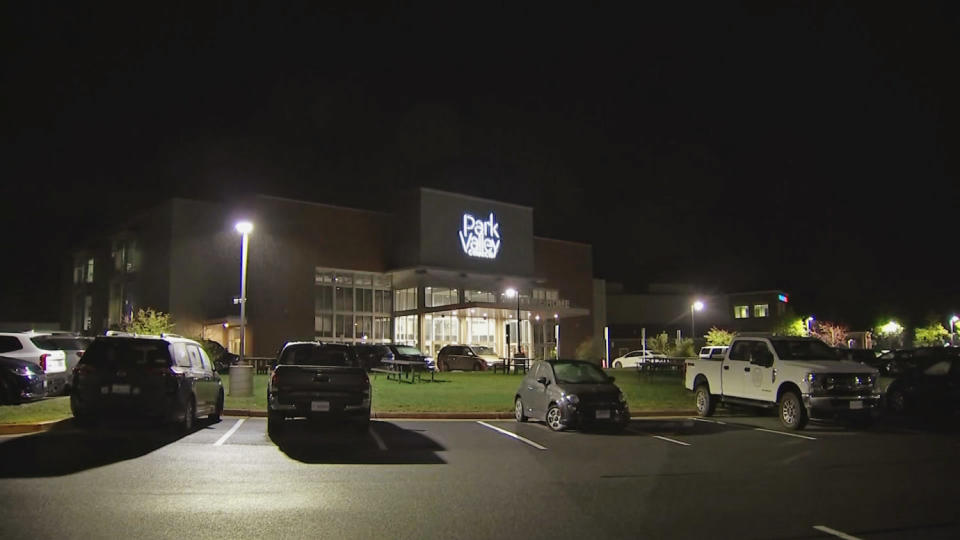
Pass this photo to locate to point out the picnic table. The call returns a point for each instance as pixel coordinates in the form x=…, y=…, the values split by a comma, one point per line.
x=404, y=370
x=518, y=365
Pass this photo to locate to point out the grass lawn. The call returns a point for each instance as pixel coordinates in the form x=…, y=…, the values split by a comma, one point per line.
x=45, y=410
x=456, y=392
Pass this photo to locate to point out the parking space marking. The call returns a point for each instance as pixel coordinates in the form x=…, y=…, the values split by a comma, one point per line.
x=670, y=440
x=376, y=437
x=227, y=435
x=512, y=434
x=708, y=421
x=834, y=532
x=787, y=434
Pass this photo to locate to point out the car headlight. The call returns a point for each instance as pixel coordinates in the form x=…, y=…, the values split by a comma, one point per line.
x=572, y=399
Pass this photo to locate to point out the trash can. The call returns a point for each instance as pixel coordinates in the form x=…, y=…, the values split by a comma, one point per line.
x=241, y=381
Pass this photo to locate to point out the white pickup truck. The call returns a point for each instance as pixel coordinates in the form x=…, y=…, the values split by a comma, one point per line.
x=801, y=377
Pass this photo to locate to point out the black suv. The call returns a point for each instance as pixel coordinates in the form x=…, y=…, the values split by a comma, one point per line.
x=157, y=378
x=927, y=378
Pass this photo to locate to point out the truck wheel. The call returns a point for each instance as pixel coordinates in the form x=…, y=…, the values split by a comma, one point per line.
x=617, y=365
x=189, y=416
x=792, y=414
x=706, y=405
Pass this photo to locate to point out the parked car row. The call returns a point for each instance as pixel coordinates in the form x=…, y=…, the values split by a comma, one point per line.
x=54, y=353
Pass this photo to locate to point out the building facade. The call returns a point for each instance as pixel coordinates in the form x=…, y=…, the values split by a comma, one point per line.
x=444, y=268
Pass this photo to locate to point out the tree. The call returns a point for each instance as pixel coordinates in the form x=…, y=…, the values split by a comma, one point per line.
x=150, y=322
x=659, y=343
x=588, y=350
x=889, y=335
x=684, y=348
x=830, y=333
x=932, y=335
x=795, y=326
x=717, y=336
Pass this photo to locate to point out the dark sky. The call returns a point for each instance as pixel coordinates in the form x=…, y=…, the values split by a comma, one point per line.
x=809, y=146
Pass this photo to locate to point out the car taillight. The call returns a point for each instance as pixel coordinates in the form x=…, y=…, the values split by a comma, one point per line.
x=43, y=361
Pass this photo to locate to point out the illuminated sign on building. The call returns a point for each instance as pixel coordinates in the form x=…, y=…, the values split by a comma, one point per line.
x=480, y=238
x=783, y=298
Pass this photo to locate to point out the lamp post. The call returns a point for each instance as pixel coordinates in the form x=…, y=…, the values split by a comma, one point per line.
x=510, y=293
x=953, y=326
x=244, y=228
x=694, y=307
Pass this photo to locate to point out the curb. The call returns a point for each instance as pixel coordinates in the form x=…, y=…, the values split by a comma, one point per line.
x=17, y=429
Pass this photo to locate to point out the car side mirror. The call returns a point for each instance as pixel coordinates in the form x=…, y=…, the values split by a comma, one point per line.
x=542, y=380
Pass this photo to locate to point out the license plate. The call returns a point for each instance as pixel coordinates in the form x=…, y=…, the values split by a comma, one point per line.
x=120, y=389
x=856, y=404
x=603, y=413
x=320, y=406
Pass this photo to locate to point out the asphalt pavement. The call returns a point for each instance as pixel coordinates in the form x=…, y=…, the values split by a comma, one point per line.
x=725, y=477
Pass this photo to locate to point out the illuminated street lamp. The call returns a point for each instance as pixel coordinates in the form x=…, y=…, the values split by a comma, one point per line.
x=510, y=293
x=244, y=228
x=953, y=325
x=808, y=323
x=694, y=307
x=891, y=328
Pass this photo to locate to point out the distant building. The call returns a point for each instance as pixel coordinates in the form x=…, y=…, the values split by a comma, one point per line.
x=433, y=272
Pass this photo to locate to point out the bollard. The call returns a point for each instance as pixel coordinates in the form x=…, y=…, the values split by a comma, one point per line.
x=241, y=381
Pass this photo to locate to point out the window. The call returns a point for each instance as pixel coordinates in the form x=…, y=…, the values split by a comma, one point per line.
x=365, y=300
x=382, y=301
x=344, y=298
x=9, y=344
x=365, y=327
x=761, y=310
x=195, y=359
x=479, y=296
x=741, y=312
x=405, y=299
x=344, y=326
x=405, y=330
x=323, y=325
x=78, y=273
x=90, y=270
x=545, y=296
x=180, y=354
x=324, y=299
x=339, y=300
x=88, y=312
x=741, y=351
x=440, y=296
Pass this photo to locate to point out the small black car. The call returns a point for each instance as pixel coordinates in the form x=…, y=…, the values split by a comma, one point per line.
x=20, y=381
x=926, y=378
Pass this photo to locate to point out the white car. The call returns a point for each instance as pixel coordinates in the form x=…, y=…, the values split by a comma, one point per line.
x=713, y=351
x=637, y=358
x=30, y=346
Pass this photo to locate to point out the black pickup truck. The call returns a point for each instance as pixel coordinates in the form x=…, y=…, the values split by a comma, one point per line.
x=318, y=380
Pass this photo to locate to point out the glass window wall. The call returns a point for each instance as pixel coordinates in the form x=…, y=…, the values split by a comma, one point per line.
x=405, y=299
x=440, y=296
x=340, y=299
x=479, y=296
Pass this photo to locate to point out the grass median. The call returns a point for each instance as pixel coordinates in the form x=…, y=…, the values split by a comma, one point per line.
x=453, y=392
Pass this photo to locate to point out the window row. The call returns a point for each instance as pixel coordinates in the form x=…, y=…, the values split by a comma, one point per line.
x=352, y=327
x=759, y=310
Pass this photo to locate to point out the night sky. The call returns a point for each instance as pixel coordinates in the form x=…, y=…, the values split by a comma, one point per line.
x=808, y=146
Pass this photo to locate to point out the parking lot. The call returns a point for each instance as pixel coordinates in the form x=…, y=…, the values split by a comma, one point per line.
x=726, y=477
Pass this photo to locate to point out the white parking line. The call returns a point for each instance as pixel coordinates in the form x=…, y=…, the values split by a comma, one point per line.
x=376, y=437
x=670, y=440
x=834, y=532
x=709, y=421
x=227, y=435
x=514, y=435
x=787, y=434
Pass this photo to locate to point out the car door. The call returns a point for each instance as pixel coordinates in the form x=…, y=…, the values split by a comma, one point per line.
x=735, y=368
x=538, y=390
x=760, y=376
x=201, y=383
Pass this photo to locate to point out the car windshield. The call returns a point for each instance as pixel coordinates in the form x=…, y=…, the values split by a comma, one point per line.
x=409, y=351
x=803, y=349
x=578, y=373
x=483, y=351
x=309, y=354
x=57, y=343
x=127, y=352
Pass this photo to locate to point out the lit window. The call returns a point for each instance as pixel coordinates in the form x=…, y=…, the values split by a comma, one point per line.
x=741, y=312
x=440, y=296
x=90, y=270
x=761, y=310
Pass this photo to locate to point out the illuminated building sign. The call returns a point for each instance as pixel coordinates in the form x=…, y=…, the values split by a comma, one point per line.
x=782, y=298
x=480, y=238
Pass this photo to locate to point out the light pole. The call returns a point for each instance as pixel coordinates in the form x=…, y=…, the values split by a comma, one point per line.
x=510, y=293
x=953, y=326
x=694, y=307
x=244, y=228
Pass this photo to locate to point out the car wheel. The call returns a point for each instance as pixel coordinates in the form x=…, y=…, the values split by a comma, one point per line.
x=218, y=410
x=555, y=419
x=441, y=365
x=617, y=365
x=189, y=415
x=896, y=401
x=274, y=422
x=478, y=366
x=792, y=414
x=706, y=404
x=518, y=411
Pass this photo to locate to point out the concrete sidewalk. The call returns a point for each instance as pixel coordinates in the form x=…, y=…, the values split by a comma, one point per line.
x=15, y=429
